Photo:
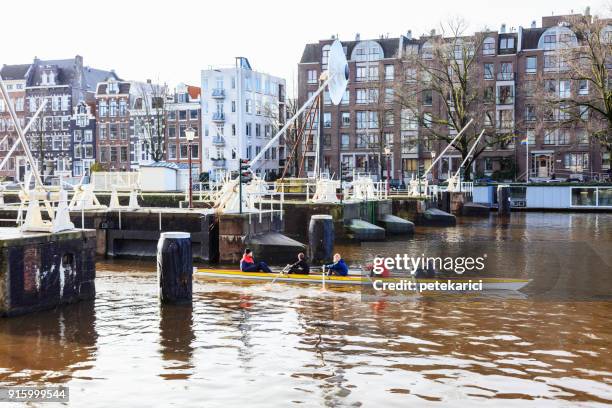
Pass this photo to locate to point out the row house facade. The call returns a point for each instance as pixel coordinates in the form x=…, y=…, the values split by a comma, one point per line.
x=511, y=62
x=14, y=77
x=113, y=124
x=183, y=111
x=241, y=110
x=53, y=137
x=83, y=125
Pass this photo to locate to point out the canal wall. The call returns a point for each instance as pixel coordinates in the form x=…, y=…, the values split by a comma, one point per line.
x=41, y=271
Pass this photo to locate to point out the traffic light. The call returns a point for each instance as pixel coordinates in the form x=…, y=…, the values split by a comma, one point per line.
x=245, y=171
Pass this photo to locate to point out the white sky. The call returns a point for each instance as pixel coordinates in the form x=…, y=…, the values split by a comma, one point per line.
x=170, y=41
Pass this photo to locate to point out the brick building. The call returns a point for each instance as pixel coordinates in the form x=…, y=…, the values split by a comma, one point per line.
x=113, y=124
x=509, y=60
x=183, y=111
x=15, y=78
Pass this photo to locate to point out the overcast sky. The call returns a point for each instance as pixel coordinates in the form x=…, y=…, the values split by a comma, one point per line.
x=171, y=41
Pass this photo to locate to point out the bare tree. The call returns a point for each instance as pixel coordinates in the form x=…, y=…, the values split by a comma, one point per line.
x=443, y=90
x=153, y=99
x=587, y=61
x=380, y=97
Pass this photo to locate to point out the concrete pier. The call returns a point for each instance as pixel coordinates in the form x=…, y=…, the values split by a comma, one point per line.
x=396, y=225
x=41, y=271
x=361, y=230
x=436, y=217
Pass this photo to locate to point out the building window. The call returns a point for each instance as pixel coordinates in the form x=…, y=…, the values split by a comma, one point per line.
x=488, y=46
x=564, y=88
x=123, y=133
x=182, y=115
x=172, y=151
x=195, y=151
x=531, y=65
x=248, y=129
x=344, y=141
x=489, y=71
x=193, y=114
x=184, y=149
x=530, y=114
x=389, y=72
x=583, y=87
x=550, y=41
x=346, y=119
x=88, y=136
x=577, y=162
x=257, y=130
x=427, y=97
x=362, y=96
x=124, y=153
x=113, y=154
x=249, y=106
x=389, y=118
x=103, y=131
x=326, y=119
x=103, y=108
x=113, y=108
x=505, y=94
x=506, y=43
x=312, y=76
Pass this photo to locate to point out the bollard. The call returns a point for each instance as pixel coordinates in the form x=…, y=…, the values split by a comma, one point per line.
x=444, y=200
x=321, y=238
x=503, y=200
x=174, y=267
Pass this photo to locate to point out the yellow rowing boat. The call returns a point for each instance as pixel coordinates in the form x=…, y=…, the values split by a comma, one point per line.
x=356, y=279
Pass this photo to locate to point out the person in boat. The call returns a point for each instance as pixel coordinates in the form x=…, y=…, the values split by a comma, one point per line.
x=248, y=264
x=301, y=266
x=338, y=267
x=382, y=270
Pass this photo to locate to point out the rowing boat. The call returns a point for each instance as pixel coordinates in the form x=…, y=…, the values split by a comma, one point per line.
x=354, y=279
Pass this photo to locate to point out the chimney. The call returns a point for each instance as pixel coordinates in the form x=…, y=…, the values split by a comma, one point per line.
x=148, y=81
x=587, y=11
x=333, y=37
x=502, y=29
x=533, y=24
x=432, y=32
x=357, y=37
x=409, y=34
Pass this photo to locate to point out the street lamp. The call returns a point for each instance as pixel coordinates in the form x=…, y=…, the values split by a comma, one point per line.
x=190, y=135
x=388, y=154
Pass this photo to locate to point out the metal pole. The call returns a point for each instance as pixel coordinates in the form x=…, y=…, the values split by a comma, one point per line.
x=239, y=131
x=527, y=160
x=190, y=176
x=319, y=157
x=388, y=173
x=289, y=122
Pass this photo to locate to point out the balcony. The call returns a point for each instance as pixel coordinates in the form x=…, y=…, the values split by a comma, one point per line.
x=218, y=163
x=506, y=76
x=218, y=93
x=218, y=117
x=218, y=141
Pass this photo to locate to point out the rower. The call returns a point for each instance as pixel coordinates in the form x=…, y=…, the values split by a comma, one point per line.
x=301, y=266
x=338, y=267
x=247, y=263
x=377, y=268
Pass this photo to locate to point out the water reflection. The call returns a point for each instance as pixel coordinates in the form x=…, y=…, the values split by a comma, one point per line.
x=176, y=340
x=48, y=346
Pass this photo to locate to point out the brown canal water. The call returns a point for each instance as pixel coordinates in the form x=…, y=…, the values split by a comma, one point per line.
x=280, y=345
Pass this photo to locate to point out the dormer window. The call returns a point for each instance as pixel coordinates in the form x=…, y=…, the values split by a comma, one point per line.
x=488, y=46
x=113, y=87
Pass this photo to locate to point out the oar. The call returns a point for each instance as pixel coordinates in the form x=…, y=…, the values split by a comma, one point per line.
x=285, y=269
